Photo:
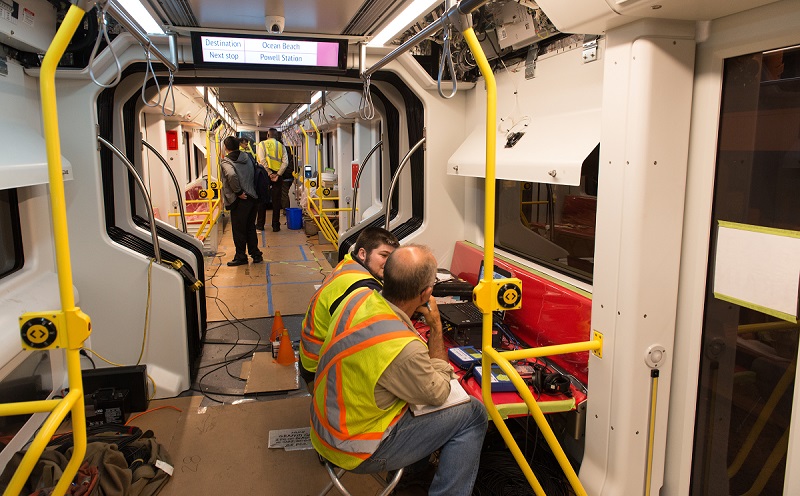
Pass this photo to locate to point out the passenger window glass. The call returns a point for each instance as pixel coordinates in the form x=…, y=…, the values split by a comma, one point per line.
x=553, y=225
x=745, y=397
x=10, y=238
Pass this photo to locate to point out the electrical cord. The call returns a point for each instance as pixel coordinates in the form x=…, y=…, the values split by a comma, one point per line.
x=217, y=302
x=85, y=354
x=147, y=309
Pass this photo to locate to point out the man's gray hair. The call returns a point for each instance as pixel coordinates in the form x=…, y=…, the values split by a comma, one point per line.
x=406, y=275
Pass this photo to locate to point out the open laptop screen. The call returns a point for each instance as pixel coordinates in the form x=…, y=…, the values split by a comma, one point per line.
x=499, y=273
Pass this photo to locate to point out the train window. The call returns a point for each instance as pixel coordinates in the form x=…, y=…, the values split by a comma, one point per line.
x=11, y=258
x=551, y=224
x=747, y=369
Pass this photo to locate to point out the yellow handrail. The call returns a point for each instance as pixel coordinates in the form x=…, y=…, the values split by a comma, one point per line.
x=305, y=134
x=490, y=355
x=73, y=326
x=211, y=217
x=320, y=218
x=319, y=151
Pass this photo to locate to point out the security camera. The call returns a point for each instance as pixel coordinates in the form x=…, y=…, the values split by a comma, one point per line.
x=275, y=24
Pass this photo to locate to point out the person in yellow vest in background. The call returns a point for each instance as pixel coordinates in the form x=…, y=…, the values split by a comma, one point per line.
x=373, y=364
x=272, y=156
x=363, y=268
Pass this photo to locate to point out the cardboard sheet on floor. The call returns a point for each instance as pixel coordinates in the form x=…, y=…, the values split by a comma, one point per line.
x=292, y=299
x=284, y=254
x=223, y=450
x=245, y=302
x=241, y=275
x=294, y=272
x=267, y=376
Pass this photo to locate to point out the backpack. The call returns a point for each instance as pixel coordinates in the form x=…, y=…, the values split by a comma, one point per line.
x=261, y=182
x=288, y=174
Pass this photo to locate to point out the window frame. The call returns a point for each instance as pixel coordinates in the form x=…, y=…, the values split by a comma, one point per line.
x=16, y=232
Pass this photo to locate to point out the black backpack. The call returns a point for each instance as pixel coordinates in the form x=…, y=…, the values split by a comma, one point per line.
x=261, y=182
x=288, y=174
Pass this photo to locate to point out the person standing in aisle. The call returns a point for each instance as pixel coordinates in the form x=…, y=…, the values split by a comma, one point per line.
x=238, y=190
x=273, y=157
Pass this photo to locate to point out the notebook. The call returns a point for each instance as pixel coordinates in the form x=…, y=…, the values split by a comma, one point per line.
x=457, y=397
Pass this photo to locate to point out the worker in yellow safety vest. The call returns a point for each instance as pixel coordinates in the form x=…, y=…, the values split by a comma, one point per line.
x=272, y=156
x=362, y=268
x=373, y=364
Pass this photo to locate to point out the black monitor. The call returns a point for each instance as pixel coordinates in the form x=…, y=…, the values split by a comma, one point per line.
x=499, y=273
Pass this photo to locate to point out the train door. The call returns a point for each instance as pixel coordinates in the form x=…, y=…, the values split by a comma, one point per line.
x=748, y=363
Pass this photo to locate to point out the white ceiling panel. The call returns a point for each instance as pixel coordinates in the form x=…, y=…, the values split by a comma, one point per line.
x=302, y=16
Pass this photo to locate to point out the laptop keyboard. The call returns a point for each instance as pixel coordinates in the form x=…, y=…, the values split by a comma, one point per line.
x=471, y=311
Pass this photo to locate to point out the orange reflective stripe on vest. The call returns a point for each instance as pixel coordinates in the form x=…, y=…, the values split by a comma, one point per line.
x=346, y=424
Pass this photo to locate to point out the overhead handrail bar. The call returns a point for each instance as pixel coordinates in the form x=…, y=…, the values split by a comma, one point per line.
x=143, y=189
x=133, y=28
x=405, y=160
x=455, y=16
x=72, y=327
x=174, y=181
x=358, y=180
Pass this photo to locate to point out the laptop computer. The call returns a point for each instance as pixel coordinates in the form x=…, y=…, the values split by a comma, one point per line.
x=466, y=314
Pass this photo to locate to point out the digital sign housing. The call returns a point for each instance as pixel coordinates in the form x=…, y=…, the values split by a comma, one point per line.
x=269, y=53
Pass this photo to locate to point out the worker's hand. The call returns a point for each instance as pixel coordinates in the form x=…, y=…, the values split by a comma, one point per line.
x=243, y=196
x=431, y=313
x=273, y=177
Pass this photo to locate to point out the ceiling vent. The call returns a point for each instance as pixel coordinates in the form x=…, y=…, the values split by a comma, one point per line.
x=369, y=16
x=177, y=12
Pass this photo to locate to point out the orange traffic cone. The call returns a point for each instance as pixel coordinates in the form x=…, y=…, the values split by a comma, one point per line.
x=277, y=326
x=286, y=352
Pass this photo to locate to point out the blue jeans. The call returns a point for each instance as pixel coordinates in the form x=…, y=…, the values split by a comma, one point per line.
x=458, y=431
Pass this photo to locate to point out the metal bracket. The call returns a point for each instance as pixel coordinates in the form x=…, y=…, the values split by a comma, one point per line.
x=589, y=49
x=457, y=20
x=598, y=336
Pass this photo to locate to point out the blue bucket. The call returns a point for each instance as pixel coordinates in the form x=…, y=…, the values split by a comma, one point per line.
x=294, y=218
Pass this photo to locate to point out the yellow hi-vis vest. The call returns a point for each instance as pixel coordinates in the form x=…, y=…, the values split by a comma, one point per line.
x=345, y=278
x=366, y=336
x=273, y=153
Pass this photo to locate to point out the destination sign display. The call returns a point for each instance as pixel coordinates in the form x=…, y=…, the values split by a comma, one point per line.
x=248, y=51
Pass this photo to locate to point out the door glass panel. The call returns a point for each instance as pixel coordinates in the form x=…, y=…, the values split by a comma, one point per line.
x=747, y=370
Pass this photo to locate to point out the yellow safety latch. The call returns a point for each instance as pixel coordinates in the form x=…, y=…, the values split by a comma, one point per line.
x=55, y=329
x=500, y=294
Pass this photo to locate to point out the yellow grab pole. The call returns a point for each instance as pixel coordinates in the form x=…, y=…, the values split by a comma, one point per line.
x=538, y=416
x=76, y=324
x=305, y=135
x=556, y=349
x=208, y=159
x=28, y=407
x=490, y=354
x=319, y=154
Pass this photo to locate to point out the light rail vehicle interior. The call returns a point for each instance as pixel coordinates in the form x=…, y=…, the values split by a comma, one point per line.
x=630, y=168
